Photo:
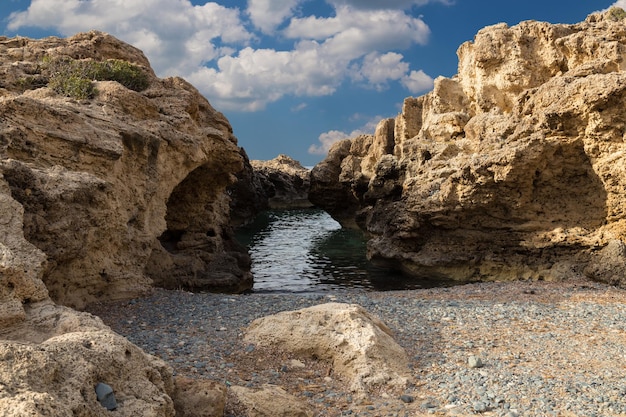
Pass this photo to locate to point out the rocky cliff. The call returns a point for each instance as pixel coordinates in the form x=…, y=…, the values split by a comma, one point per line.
x=111, y=181
x=121, y=186
x=514, y=168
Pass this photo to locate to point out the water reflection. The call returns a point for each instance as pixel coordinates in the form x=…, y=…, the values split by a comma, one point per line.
x=306, y=250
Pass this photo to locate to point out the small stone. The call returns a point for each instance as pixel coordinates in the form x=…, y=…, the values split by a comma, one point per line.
x=475, y=362
x=480, y=407
x=407, y=398
x=105, y=396
x=294, y=363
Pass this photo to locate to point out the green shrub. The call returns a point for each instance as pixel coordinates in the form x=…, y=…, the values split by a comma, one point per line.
x=617, y=13
x=73, y=78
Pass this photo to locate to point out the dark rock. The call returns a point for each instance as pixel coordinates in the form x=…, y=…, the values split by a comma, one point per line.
x=105, y=396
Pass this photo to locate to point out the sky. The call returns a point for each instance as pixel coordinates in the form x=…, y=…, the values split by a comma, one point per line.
x=294, y=76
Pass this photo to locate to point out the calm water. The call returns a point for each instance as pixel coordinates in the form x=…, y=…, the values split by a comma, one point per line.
x=306, y=250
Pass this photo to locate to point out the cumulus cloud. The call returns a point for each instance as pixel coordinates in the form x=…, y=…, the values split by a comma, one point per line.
x=619, y=3
x=328, y=139
x=417, y=81
x=269, y=14
x=378, y=69
x=386, y=4
x=175, y=35
x=211, y=46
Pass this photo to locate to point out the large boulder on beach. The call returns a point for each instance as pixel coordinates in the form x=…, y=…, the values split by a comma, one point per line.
x=123, y=184
x=515, y=168
x=58, y=376
x=358, y=346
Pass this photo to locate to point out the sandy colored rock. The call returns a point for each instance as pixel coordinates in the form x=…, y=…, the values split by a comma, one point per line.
x=358, y=346
x=285, y=182
x=58, y=377
x=512, y=169
x=270, y=401
x=199, y=398
x=121, y=190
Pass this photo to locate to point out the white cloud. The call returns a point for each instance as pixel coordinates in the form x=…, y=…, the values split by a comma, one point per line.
x=387, y=4
x=328, y=139
x=379, y=69
x=619, y=3
x=173, y=34
x=358, y=32
x=267, y=15
x=417, y=82
x=210, y=46
x=299, y=107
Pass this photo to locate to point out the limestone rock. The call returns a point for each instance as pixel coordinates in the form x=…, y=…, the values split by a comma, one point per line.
x=199, y=398
x=359, y=347
x=270, y=401
x=21, y=263
x=121, y=190
x=57, y=377
x=515, y=168
x=285, y=182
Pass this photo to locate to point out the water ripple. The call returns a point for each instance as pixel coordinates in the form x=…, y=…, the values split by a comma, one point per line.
x=308, y=251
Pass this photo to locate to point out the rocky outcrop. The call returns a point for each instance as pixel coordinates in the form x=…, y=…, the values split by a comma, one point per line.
x=122, y=189
x=285, y=182
x=514, y=168
x=358, y=346
x=52, y=357
x=104, y=192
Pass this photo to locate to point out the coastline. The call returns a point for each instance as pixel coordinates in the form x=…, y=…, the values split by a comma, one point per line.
x=548, y=348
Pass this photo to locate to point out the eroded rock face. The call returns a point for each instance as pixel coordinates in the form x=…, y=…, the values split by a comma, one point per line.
x=359, y=347
x=123, y=189
x=514, y=168
x=285, y=182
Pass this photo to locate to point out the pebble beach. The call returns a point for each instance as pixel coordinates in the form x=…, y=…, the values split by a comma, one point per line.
x=493, y=349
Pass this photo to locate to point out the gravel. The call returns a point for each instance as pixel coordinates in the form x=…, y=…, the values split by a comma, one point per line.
x=500, y=349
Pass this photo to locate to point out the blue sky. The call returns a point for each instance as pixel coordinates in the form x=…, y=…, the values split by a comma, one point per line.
x=293, y=76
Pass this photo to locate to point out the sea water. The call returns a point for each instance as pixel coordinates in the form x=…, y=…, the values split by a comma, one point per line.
x=307, y=251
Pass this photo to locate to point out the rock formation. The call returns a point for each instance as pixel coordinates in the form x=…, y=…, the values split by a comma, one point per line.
x=122, y=188
x=358, y=346
x=285, y=182
x=514, y=168
x=104, y=192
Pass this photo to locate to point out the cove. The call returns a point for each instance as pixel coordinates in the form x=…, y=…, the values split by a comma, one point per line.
x=307, y=251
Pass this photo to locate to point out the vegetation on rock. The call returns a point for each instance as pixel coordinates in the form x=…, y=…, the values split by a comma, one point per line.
x=74, y=78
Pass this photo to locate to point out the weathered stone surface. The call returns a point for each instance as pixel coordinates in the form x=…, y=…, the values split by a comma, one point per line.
x=21, y=263
x=57, y=377
x=285, y=182
x=98, y=198
x=199, y=398
x=270, y=401
x=514, y=168
x=359, y=347
x=123, y=189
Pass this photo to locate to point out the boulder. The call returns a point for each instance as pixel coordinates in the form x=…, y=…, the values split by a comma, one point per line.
x=514, y=168
x=285, y=182
x=270, y=401
x=123, y=188
x=358, y=346
x=58, y=377
x=199, y=398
